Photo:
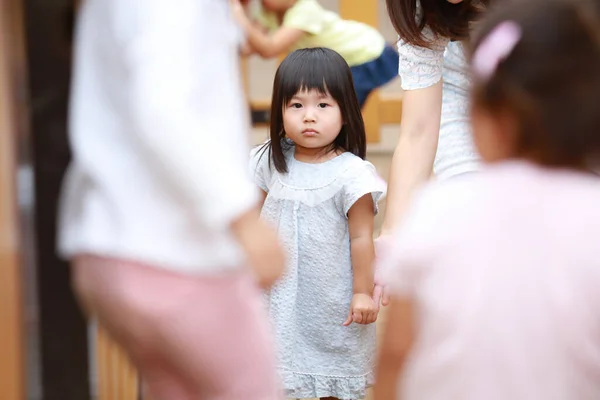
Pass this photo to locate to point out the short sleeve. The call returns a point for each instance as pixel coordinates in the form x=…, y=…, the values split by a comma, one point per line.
x=421, y=67
x=363, y=180
x=307, y=16
x=260, y=168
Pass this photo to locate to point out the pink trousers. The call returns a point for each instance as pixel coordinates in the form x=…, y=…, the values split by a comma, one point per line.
x=189, y=337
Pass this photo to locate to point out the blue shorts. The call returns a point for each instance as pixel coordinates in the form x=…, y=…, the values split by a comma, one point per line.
x=373, y=74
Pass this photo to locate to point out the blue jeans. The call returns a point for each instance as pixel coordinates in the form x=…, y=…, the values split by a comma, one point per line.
x=373, y=74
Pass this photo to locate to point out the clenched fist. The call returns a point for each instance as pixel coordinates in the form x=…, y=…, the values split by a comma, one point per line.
x=363, y=310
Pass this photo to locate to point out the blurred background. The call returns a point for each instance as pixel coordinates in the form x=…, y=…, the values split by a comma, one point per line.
x=48, y=351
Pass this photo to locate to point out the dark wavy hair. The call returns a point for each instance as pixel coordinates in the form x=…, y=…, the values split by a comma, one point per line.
x=550, y=82
x=443, y=18
x=325, y=71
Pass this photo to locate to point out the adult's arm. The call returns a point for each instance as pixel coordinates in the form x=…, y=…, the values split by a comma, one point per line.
x=412, y=162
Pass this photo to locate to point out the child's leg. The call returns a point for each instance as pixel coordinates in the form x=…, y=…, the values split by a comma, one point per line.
x=189, y=337
x=374, y=74
x=362, y=83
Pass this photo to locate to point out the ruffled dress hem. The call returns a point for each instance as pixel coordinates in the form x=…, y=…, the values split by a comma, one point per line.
x=300, y=385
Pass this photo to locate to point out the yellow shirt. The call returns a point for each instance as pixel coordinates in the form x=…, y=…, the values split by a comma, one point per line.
x=358, y=43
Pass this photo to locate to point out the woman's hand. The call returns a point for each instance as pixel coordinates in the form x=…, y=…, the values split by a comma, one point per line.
x=363, y=310
x=380, y=292
x=261, y=245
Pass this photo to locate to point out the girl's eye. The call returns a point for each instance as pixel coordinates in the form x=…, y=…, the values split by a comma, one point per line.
x=296, y=105
x=323, y=105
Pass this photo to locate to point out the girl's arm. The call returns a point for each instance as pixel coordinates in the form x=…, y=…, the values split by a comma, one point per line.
x=246, y=49
x=264, y=44
x=412, y=163
x=361, y=215
x=268, y=46
x=397, y=340
x=360, y=225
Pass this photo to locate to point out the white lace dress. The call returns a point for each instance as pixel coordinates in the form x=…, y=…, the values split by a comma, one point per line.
x=424, y=67
x=318, y=357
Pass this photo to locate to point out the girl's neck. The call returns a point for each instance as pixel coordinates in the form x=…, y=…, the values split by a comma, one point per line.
x=315, y=155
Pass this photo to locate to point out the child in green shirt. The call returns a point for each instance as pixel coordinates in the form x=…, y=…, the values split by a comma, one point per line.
x=285, y=25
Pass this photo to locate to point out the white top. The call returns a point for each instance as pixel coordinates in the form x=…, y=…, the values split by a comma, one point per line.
x=159, y=131
x=424, y=67
x=503, y=269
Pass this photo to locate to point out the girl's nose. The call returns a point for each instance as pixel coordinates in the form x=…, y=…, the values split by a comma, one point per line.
x=309, y=116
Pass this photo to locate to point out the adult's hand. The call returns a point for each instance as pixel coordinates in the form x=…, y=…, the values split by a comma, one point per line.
x=380, y=292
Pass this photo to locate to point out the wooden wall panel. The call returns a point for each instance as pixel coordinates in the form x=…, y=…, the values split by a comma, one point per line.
x=12, y=355
x=366, y=11
x=117, y=379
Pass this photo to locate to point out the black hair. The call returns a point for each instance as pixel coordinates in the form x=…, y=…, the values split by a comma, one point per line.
x=550, y=82
x=445, y=19
x=325, y=71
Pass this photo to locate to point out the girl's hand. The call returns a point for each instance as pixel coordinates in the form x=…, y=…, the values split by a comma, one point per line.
x=380, y=292
x=363, y=310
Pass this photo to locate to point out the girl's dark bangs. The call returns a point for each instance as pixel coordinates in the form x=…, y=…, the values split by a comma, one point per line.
x=307, y=75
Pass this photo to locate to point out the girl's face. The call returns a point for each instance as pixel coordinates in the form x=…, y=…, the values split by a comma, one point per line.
x=494, y=134
x=312, y=120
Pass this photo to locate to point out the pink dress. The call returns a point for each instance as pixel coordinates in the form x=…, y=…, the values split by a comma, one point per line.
x=503, y=269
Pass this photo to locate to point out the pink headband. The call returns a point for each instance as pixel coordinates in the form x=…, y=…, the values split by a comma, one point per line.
x=496, y=47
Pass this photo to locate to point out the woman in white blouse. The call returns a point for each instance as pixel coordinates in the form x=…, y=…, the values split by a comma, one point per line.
x=435, y=134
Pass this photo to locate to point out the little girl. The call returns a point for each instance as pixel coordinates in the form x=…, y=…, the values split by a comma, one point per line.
x=159, y=216
x=322, y=197
x=295, y=24
x=495, y=275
